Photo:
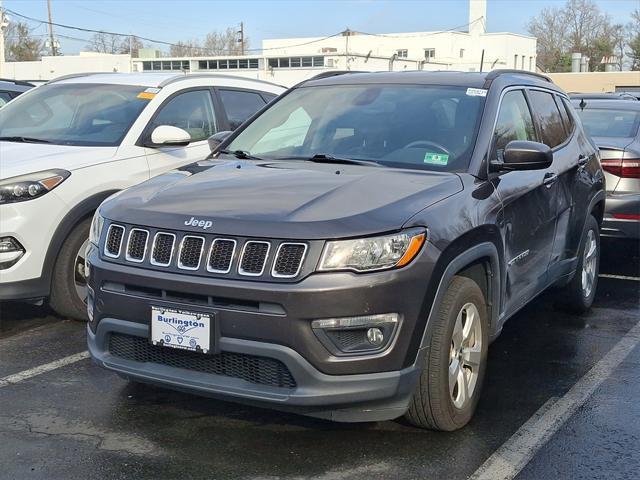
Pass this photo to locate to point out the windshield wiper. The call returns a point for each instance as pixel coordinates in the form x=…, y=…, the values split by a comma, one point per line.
x=324, y=158
x=241, y=154
x=24, y=140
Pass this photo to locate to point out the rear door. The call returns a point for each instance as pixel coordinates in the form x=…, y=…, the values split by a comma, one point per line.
x=570, y=157
x=529, y=211
x=239, y=105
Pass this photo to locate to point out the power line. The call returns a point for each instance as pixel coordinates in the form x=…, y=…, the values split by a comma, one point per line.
x=159, y=42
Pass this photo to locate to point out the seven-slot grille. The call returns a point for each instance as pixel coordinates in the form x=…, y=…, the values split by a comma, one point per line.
x=194, y=252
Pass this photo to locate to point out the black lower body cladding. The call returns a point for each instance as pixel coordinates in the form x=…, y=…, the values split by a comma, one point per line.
x=267, y=349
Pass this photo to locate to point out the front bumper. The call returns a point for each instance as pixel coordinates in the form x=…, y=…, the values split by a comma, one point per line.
x=273, y=320
x=367, y=397
x=625, y=204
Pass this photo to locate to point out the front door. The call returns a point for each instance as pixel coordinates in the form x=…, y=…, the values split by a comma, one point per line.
x=193, y=111
x=529, y=210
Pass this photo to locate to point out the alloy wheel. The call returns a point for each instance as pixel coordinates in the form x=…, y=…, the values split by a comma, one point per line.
x=589, y=263
x=465, y=355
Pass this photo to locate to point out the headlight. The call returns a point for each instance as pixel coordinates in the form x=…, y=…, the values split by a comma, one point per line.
x=373, y=253
x=96, y=228
x=32, y=185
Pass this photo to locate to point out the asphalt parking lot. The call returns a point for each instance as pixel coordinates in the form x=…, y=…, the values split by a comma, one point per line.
x=560, y=401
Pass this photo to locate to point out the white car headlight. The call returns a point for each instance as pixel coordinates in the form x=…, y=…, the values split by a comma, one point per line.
x=96, y=228
x=373, y=253
x=30, y=186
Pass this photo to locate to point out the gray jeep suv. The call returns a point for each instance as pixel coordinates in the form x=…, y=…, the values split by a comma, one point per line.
x=352, y=249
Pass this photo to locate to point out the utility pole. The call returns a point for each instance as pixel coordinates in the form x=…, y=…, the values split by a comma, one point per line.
x=54, y=49
x=241, y=39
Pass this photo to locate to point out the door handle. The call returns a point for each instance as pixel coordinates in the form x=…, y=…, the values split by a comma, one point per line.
x=582, y=160
x=549, y=179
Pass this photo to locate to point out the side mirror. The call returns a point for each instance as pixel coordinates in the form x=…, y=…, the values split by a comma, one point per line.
x=168, y=136
x=217, y=138
x=523, y=155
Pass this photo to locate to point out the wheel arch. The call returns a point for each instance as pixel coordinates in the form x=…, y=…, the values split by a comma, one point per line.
x=475, y=255
x=78, y=213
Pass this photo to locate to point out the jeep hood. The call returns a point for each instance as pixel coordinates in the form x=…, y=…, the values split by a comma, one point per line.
x=21, y=158
x=283, y=199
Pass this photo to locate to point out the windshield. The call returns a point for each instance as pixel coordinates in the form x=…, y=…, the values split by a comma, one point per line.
x=73, y=114
x=609, y=122
x=408, y=126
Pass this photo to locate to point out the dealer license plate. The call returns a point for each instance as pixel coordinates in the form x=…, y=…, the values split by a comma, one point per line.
x=181, y=329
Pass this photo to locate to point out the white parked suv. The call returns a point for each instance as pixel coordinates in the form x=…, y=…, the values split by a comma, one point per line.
x=69, y=144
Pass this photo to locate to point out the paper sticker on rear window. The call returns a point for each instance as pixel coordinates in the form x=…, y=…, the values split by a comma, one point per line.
x=476, y=92
x=436, y=158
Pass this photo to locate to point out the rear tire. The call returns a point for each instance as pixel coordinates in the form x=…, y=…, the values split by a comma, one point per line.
x=68, y=297
x=451, y=381
x=577, y=296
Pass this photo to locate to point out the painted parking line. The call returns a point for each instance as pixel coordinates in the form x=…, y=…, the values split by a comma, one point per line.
x=39, y=370
x=506, y=462
x=619, y=277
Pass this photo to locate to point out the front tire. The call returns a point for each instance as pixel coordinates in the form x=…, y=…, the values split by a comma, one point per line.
x=577, y=296
x=449, y=386
x=68, y=286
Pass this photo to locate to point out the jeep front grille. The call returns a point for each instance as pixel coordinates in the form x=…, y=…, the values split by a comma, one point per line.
x=190, y=252
x=162, y=251
x=113, y=244
x=204, y=254
x=254, y=256
x=137, y=245
x=289, y=260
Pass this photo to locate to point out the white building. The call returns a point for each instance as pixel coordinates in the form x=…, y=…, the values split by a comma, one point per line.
x=288, y=61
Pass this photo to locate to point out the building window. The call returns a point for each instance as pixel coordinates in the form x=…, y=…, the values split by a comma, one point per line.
x=296, y=62
x=531, y=64
x=515, y=61
x=165, y=65
x=403, y=53
x=429, y=53
x=462, y=53
x=522, y=62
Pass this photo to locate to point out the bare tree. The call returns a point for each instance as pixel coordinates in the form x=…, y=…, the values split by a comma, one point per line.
x=131, y=45
x=633, y=40
x=20, y=45
x=188, y=48
x=105, y=43
x=579, y=26
x=550, y=29
x=226, y=42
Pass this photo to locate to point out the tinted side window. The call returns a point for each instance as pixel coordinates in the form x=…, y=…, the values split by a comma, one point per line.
x=548, y=118
x=568, y=110
x=240, y=105
x=269, y=97
x=192, y=111
x=4, y=98
x=514, y=120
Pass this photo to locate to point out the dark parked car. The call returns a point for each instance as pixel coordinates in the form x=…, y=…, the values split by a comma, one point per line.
x=351, y=251
x=614, y=126
x=10, y=89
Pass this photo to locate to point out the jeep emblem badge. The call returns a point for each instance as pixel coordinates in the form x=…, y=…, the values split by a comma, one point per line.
x=194, y=222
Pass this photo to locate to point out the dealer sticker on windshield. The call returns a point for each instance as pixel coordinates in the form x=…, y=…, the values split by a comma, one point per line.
x=476, y=92
x=436, y=158
x=180, y=329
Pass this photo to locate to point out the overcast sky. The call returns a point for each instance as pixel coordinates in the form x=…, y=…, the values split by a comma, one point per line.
x=173, y=20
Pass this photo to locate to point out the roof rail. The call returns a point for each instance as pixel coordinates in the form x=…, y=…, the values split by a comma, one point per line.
x=78, y=75
x=17, y=82
x=329, y=74
x=493, y=74
x=186, y=76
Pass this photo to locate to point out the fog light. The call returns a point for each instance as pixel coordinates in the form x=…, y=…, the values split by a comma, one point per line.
x=10, y=252
x=364, y=334
x=375, y=336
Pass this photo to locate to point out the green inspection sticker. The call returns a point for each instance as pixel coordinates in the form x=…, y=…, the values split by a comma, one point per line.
x=436, y=158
